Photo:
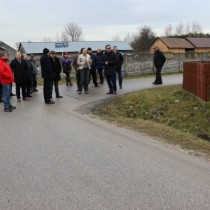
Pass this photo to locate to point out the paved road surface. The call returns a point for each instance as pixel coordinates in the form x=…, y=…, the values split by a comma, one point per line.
x=53, y=157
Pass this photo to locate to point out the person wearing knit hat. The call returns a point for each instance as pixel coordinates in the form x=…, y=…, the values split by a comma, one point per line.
x=47, y=76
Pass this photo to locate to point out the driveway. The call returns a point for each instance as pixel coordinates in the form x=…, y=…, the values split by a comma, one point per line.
x=57, y=157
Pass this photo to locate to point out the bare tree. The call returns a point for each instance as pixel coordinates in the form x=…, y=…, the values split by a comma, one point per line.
x=196, y=28
x=180, y=29
x=168, y=30
x=187, y=28
x=129, y=38
x=72, y=32
x=116, y=38
x=144, y=39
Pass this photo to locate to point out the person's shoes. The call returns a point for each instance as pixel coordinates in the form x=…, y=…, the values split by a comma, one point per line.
x=71, y=84
x=120, y=86
x=49, y=102
x=25, y=99
x=7, y=109
x=12, y=94
x=12, y=107
x=154, y=83
x=59, y=96
x=19, y=100
x=97, y=85
x=79, y=92
x=1, y=100
x=115, y=92
x=29, y=95
x=35, y=90
x=109, y=93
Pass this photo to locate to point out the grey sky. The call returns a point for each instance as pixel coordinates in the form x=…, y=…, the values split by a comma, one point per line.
x=25, y=20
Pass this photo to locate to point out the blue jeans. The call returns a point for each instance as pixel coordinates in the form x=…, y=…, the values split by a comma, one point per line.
x=111, y=81
x=6, y=95
x=84, y=79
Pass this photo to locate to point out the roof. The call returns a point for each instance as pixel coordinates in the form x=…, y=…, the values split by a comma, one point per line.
x=37, y=47
x=6, y=47
x=180, y=43
x=200, y=42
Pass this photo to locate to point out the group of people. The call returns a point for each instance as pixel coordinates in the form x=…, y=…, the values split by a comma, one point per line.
x=87, y=64
x=23, y=71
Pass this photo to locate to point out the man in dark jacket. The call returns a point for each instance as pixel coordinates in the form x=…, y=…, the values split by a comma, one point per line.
x=109, y=61
x=159, y=60
x=19, y=67
x=47, y=76
x=93, y=67
x=99, y=65
x=56, y=70
x=120, y=60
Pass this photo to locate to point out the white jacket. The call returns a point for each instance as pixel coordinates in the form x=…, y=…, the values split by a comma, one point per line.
x=81, y=61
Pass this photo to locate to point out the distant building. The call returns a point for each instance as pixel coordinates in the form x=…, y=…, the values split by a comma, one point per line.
x=201, y=45
x=7, y=48
x=173, y=45
x=36, y=48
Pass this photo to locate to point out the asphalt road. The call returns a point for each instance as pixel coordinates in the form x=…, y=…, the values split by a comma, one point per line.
x=57, y=157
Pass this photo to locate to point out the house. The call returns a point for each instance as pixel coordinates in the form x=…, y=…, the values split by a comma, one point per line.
x=7, y=48
x=201, y=45
x=36, y=48
x=173, y=45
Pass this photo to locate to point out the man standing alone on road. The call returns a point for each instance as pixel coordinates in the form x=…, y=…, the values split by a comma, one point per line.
x=47, y=76
x=6, y=78
x=159, y=60
x=109, y=62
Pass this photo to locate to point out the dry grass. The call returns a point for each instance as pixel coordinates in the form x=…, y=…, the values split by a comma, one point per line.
x=169, y=114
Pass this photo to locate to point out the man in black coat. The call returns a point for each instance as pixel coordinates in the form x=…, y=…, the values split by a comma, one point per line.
x=120, y=60
x=19, y=67
x=109, y=62
x=56, y=70
x=159, y=60
x=47, y=76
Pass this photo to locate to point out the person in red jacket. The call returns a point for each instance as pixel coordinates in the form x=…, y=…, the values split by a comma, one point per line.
x=6, y=78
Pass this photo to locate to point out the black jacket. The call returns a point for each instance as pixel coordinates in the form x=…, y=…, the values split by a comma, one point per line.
x=93, y=57
x=45, y=66
x=120, y=59
x=20, y=70
x=159, y=59
x=99, y=59
x=30, y=69
x=56, y=68
x=109, y=69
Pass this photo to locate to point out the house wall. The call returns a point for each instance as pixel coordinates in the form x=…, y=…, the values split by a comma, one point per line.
x=202, y=50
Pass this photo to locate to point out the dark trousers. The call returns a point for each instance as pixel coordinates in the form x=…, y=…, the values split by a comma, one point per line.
x=47, y=90
x=21, y=86
x=55, y=84
x=68, y=79
x=94, y=76
x=78, y=79
x=34, y=82
x=111, y=81
x=29, y=86
x=84, y=77
x=101, y=76
x=158, y=79
x=119, y=72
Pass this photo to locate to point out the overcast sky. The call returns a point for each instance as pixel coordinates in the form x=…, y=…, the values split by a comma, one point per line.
x=32, y=20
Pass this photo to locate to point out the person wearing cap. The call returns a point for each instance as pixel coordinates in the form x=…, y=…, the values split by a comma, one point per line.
x=120, y=60
x=56, y=70
x=159, y=60
x=92, y=67
x=47, y=76
x=109, y=62
x=19, y=67
x=66, y=65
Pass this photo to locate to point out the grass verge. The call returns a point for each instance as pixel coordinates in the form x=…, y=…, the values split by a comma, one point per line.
x=170, y=114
